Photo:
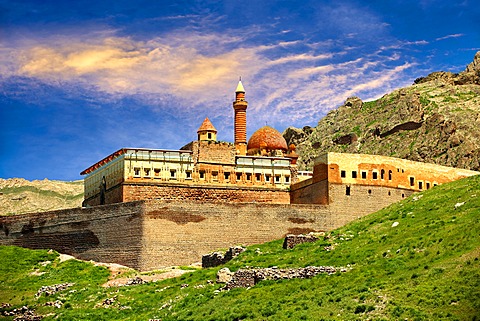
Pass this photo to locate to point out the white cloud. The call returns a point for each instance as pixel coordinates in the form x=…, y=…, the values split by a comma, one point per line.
x=455, y=35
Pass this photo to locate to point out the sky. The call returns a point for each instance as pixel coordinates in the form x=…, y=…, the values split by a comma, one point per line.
x=82, y=79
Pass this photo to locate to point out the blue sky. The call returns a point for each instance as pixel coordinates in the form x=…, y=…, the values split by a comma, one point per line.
x=81, y=79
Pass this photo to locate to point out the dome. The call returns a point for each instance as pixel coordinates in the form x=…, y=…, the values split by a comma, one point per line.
x=266, y=138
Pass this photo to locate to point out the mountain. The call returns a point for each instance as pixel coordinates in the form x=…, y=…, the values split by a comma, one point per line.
x=436, y=120
x=418, y=259
x=18, y=196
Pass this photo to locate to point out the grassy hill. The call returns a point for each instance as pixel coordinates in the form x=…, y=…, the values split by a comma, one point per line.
x=426, y=267
x=18, y=196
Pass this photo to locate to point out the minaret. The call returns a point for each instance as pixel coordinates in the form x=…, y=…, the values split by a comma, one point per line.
x=240, y=127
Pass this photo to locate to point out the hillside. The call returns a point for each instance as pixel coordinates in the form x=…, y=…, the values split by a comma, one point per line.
x=436, y=120
x=18, y=196
x=418, y=259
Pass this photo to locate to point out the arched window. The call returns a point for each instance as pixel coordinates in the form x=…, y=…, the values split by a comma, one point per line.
x=382, y=174
x=389, y=175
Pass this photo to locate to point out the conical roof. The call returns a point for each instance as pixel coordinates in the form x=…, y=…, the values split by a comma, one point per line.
x=240, y=88
x=207, y=126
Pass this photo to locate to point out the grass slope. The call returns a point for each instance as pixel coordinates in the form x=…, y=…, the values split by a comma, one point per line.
x=425, y=268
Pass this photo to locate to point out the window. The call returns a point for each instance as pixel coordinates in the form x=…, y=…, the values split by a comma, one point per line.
x=173, y=173
x=389, y=175
x=258, y=177
x=226, y=175
x=412, y=181
x=277, y=178
x=347, y=190
x=267, y=178
x=136, y=171
x=389, y=193
x=188, y=174
x=364, y=175
x=249, y=176
x=202, y=174
x=209, y=135
x=215, y=175
x=239, y=176
x=382, y=174
x=403, y=195
x=343, y=174
x=420, y=185
x=147, y=171
x=287, y=179
x=369, y=192
x=156, y=172
x=427, y=185
x=354, y=174
x=375, y=175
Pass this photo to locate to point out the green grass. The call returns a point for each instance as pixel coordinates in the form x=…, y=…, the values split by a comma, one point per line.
x=426, y=268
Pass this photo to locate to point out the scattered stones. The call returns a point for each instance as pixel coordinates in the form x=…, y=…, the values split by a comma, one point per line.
x=217, y=258
x=224, y=275
x=248, y=278
x=135, y=281
x=52, y=289
x=293, y=240
x=109, y=301
x=21, y=314
x=459, y=204
x=185, y=285
x=395, y=224
x=57, y=304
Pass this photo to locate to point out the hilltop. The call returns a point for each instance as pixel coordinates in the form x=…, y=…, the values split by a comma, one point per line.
x=436, y=120
x=18, y=196
x=418, y=259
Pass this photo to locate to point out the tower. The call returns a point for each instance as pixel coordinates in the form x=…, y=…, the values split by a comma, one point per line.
x=207, y=131
x=240, y=126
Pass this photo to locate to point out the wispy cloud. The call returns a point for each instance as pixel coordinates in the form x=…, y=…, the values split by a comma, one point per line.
x=455, y=35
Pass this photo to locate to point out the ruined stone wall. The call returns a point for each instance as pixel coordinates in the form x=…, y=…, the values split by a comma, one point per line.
x=132, y=192
x=110, y=233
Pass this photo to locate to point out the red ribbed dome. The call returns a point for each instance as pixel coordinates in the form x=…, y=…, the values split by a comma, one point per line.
x=266, y=138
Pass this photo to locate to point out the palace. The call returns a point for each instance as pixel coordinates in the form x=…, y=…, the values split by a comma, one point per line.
x=243, y=171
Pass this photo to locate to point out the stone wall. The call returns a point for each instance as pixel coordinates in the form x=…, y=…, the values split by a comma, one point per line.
x=205, y=193
x=181, y=232
x=110, y=233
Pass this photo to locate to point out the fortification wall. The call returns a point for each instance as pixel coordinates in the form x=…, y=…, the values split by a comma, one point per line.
x=154, y=234
x=180, y=233
x=110, y=233
x=132, y=192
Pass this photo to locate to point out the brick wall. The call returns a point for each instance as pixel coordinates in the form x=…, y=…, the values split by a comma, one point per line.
x=235, y=194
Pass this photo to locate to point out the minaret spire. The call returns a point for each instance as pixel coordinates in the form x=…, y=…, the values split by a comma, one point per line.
x=240, y=126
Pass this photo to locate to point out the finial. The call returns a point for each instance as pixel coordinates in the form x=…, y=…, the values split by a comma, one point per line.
x=240, y=78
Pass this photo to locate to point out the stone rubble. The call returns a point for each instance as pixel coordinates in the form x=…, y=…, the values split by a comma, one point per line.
x=21, y=314
x=52, y=289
